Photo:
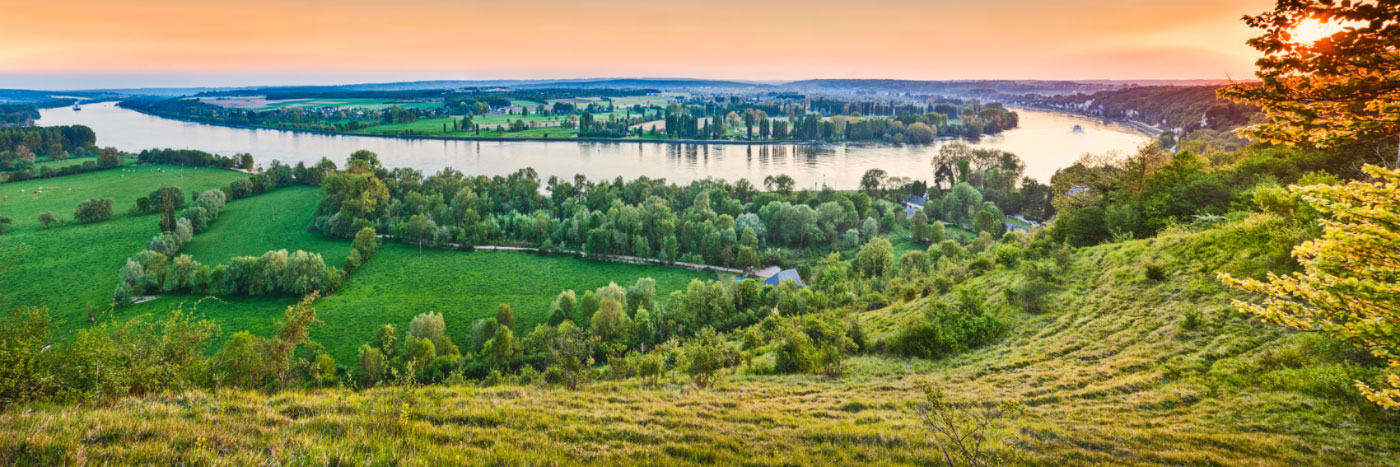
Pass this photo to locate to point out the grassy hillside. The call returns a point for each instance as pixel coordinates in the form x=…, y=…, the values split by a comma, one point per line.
x=1116, y=371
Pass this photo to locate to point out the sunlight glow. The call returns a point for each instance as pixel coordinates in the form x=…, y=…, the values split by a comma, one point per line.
x=1311, y=30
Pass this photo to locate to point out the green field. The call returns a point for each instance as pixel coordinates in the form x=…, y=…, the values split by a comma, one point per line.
x=67, y=268
x=270, y=221
x=24, y=201
x=392, y=287
x=433, y=127
x=398, y=283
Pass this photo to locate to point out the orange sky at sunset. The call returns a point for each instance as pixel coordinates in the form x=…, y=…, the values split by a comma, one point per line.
x=65, y=43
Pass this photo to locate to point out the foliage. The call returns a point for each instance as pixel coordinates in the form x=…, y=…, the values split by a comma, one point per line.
x=1336, y=91
x=949, y=329
x=1350, y=283
x=971, y=436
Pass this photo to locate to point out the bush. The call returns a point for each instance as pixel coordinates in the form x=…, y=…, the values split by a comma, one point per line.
x=94, y=210
x=949, y=329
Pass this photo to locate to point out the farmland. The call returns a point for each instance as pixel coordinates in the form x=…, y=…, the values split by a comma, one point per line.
x=24, y=201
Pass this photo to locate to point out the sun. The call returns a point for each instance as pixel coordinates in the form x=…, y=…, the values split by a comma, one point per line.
x=1311, y=30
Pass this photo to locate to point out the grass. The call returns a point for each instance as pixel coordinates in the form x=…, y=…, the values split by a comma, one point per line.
x=270, y=221
x=434, y=127
x=24, y=201
x=65, y=268
x=1108, y=375
x=398, y=283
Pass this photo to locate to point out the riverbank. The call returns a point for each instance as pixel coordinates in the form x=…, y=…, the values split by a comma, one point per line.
x=549, y=140
x=1150, y=131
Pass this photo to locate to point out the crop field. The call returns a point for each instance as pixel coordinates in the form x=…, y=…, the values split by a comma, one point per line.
x=24, y=201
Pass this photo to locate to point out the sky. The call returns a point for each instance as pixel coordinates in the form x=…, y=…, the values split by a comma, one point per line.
x=88, y=44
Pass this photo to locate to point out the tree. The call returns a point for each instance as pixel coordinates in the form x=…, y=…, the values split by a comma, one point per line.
x=961, y=203
x=47, y=219
x=1326, y=91
x=421, y=228
x=433, y=327
x=1348, y=287
x=610, y=323
x=871, y=182
x=919, y=133
x=366, y=242
x=504, y=316
x=919, y=229
x=292, y=331
x=876, y=258
x=563, y=308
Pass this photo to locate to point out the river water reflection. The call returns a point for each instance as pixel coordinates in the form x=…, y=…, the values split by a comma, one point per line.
x=1047, y=141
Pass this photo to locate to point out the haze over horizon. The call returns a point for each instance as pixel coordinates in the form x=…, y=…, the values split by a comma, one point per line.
x=88, y=44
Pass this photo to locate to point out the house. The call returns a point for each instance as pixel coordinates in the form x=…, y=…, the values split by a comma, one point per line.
x=1077, y=189
x=1016, y=227
x=915, y=201
x=767, y=272
x=909, y=211
x=785, y=275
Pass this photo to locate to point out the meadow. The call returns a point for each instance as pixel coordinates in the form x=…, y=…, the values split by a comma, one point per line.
x=434, y=127
x=391, y=288
x=71, y=267
x=24, y=201
x=1112, y=372
x=399, y=283
x=270, y=221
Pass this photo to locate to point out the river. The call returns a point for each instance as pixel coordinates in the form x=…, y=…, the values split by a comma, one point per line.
x=1045, y=140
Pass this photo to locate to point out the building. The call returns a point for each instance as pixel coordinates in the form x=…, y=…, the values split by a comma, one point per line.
x=785, y=275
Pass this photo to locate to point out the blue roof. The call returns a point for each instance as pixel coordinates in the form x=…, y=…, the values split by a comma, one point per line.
x=910, y=211
x=785, y=275
x=919, y=200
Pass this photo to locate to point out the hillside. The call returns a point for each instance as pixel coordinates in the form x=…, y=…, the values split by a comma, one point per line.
x=1118, y=369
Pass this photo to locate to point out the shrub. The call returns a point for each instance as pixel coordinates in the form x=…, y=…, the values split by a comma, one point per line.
x=47, y=219
x=94, y=210
x=949, y=329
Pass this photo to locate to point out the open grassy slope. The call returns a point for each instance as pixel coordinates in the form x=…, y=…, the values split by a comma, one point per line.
x=1112, y=373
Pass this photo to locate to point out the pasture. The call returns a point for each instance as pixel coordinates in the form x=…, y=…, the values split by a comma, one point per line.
x=399, y=283
x=24, y=201
x=270, y=221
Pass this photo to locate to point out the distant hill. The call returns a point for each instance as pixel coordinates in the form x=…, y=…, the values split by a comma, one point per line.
x=970, y=87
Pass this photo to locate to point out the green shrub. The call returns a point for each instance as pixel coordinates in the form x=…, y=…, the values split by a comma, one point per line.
x=949, y=329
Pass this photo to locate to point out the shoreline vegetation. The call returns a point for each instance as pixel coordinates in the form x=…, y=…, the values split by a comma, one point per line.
x=619, y=118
